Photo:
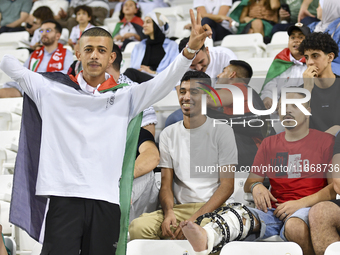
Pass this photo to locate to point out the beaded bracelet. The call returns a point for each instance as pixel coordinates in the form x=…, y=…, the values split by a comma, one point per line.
x=253, y=185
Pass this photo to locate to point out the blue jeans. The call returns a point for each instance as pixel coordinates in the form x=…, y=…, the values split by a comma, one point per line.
x=271, y=225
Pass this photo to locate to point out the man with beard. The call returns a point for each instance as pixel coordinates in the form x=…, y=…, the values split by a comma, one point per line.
x=290, y=161
x=51, y=57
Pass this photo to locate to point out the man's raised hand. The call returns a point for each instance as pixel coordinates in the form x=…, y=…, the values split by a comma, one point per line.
x=198, y=34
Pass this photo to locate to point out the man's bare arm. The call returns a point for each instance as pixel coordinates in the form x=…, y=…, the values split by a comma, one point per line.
x=223, y=192
x=222, y=13
x=336, y=172
x=9, y=92
x=166, y=198
x=226, y=98
x=147, y=160
x=17, y=23
x=303, y=13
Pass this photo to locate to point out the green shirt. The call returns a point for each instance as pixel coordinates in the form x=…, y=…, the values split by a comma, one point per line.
x=10, y=10
x=294, y=7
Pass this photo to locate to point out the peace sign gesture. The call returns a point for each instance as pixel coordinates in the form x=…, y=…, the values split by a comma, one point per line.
x=198, y=34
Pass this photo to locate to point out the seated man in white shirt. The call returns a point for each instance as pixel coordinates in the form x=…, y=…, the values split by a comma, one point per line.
x=184, y=161
x=51, y=57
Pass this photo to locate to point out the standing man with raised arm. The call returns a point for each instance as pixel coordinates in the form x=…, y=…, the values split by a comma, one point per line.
x=78, y=167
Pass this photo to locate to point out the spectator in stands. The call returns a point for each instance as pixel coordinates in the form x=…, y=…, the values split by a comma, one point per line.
x=324, y=217
x=83, y=17
x=76, y=67
x=212, y=61
x=330, y=23
x=194, y=195
x=304, y=10
x=320, y=50
x=288, y=66
x=154, y=54
x=214, y=13
x=130, y=27
x=238, y=73
x=51, y=57
x=12, y=14
x=3, y=248
x=39, y=15
x=108, y=114
x=284, y=209
x=34, y=20
x=54, y=5
x=100, y=10
x=237, y=70
x=256, y=16
x=289, y=12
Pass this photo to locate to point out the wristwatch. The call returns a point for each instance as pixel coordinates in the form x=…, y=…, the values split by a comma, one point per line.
x=191, y=50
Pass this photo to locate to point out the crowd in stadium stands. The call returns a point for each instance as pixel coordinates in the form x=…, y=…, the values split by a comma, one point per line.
x=82, y=68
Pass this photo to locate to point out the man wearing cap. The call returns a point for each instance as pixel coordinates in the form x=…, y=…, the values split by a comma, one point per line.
x=287, y=67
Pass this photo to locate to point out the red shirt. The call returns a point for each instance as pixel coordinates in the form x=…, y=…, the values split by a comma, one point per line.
x=296, y=163
x=229, y=109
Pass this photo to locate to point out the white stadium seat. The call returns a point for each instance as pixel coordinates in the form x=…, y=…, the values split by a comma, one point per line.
x=333, y=249
x=260, y=66
x=155, y=247
x=11, y=40
x=278, y=43
x=20, y=54
x=261, y=248
x=245, y=46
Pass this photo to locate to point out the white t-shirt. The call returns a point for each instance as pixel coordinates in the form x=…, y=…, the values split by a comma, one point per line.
x=292, y=77
x=84, y=134
x=219, y=58
x=212, y=6
x=189, y=151
x=75, y=32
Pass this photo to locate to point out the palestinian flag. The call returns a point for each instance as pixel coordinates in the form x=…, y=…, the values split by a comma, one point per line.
x=280, y=64
x=27, y=209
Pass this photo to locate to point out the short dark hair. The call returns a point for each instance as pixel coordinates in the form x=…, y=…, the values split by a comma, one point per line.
x=96, y=32
x=197, y=75
x=121, y=14
x=319, y=41
x=119, y=57
x=85, y=8
x=43, y=13
x=57, y=25
x=244, y=70
x=184, y=42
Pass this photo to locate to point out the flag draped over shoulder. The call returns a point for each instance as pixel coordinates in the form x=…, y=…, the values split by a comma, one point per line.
x=136, y=22
x=28, y=210
x=280, y=64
